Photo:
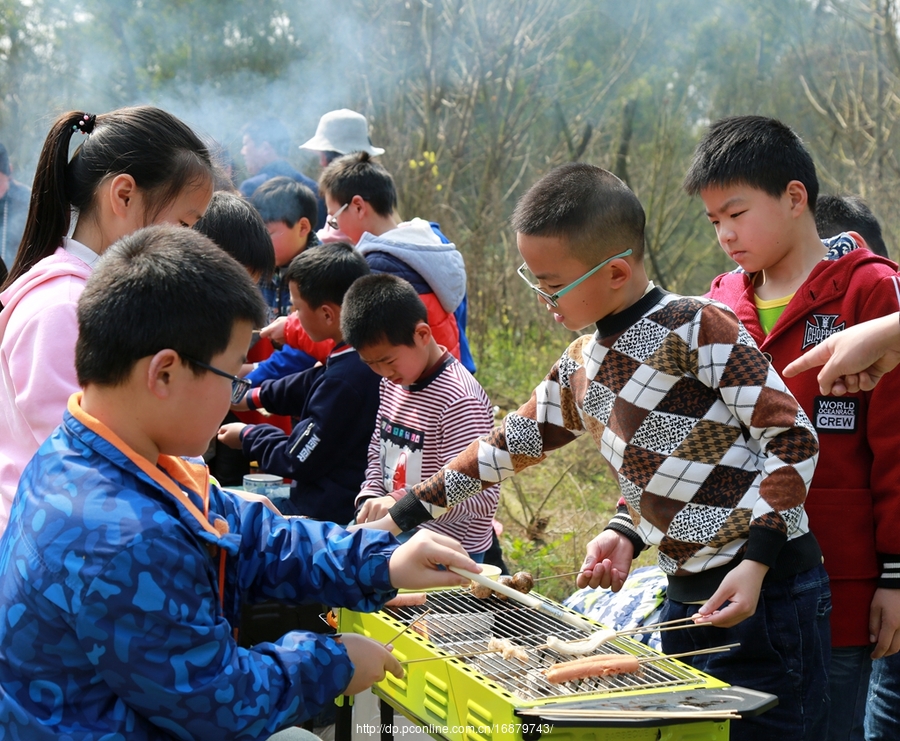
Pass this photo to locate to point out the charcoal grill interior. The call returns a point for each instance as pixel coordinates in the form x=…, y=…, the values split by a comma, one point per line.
x=458, y=623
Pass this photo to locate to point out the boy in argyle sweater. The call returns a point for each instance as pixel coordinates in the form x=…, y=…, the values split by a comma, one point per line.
x=712, y=453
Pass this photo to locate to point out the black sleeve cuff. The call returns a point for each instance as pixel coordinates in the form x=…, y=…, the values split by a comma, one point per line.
x=409, y=512
x=623, y=524
x=889, y=571
x=764, y=545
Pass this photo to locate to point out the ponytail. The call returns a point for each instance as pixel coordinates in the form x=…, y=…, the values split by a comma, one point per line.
x=159, y=151
x=49, y=211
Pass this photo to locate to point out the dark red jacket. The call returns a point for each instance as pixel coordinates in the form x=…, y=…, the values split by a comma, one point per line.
x=854, y=502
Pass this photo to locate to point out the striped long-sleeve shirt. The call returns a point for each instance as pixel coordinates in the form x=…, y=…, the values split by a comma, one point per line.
x=713, y=454
x=421, y=428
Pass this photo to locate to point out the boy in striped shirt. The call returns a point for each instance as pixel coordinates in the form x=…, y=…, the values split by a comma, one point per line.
x=430, y=406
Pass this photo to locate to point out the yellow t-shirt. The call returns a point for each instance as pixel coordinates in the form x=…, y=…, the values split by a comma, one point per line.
x=770, y=310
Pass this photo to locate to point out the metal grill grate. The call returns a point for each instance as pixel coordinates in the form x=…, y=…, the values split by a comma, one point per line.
x=459, y=623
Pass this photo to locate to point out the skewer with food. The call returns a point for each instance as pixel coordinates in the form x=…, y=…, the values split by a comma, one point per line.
x=600, y=637
x=608, y=665
x=508, y=650
x=593, y=666
x=521, y=581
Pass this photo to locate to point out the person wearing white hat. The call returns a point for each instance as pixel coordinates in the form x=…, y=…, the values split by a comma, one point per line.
x=341, y=132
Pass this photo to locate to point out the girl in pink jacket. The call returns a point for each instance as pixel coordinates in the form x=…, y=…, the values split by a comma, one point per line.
x=135, y=167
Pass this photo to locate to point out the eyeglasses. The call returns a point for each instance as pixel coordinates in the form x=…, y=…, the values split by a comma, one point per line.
x=552, y=298
x=331, y=219
x=239, y=386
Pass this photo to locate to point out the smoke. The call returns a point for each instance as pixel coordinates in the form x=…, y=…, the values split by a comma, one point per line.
x=216, y=66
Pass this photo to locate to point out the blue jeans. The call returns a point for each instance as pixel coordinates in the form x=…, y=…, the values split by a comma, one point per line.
x=883, y=714
x=785, y=650
x=848, y=683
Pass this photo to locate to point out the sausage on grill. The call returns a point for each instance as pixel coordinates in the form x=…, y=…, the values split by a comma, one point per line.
x=593, y=666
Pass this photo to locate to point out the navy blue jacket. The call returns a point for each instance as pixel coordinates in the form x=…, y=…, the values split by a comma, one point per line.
x=280, y=168
x=326, y=452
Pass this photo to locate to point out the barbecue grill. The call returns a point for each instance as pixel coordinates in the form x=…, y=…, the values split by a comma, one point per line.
x=486, y=697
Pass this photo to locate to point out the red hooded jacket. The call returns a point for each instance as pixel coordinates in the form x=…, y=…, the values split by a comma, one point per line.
x=854, y=502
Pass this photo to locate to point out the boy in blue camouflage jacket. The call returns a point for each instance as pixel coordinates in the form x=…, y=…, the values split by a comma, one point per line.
x=123, y=568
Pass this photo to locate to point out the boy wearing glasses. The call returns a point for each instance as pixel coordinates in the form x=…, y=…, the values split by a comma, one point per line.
x=123, y=569
x=712, y=454
x=326, y=452
x=362, y=201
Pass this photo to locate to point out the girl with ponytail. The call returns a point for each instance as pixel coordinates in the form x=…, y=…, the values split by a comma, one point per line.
x=134, y=167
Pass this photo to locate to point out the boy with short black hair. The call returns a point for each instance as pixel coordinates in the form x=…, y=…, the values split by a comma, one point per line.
x=123, y=569
x=288, y=209
x=362, y=201
x=235, y=226
x=335, y=403
x=430, y=407
x=836, y=214
x=712, y=453
x=791, y=291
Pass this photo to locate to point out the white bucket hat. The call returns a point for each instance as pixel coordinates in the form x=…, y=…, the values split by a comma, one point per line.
x=342, y=131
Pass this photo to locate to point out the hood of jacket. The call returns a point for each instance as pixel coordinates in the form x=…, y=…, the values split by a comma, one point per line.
x=439, y=263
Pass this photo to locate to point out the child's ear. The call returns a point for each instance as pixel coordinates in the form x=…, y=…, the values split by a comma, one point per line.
x=331, y=313
x=122, y=192
x=359, y=206
x=303, y=227
x=620, y=272
x=161, y=373
x=796, y=192
x=422, y=334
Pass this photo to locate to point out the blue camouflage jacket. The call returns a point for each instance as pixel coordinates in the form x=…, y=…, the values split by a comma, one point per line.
x=119, y=586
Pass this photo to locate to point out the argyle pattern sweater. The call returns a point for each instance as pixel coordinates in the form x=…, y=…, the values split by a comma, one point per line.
x=713, y=455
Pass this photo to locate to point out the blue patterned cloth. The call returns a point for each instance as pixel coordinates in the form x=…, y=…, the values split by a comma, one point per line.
x=112, y=623
x=637, y=604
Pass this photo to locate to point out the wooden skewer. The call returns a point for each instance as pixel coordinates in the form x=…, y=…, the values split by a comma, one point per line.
x=452, y=656
x=423, y=614
x=558, y=576
x=654, y=629
x=638, y=631
x=641, y=660
x=698, y=652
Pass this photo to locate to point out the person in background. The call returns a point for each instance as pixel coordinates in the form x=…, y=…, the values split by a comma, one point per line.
x=14, y=199
x=759, y=186
x=223, y=165
x=836, y=214
x=134, y=167
x=850, y=214
x=235, y=226
x=335, y=403
x=288, y=209
x=712, y=453
x=339, y=132
x=266, y=144
x=362, y=202
x=430, y=407
x=124, y=568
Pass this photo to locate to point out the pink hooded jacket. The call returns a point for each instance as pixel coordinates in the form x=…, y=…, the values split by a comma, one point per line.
x=38, y=329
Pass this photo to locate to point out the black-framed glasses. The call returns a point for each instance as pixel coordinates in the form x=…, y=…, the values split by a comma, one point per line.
x=552, y=298
x=239, y=386
x=331, y=219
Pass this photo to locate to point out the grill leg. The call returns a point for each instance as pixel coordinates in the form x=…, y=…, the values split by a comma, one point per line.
x=343, y=722
x=387, y=721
